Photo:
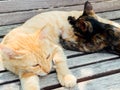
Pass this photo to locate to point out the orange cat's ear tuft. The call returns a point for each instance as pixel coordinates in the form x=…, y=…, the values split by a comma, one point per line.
x=8, y=52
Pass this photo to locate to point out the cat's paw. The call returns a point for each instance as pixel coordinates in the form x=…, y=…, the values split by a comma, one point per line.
x=67, y=80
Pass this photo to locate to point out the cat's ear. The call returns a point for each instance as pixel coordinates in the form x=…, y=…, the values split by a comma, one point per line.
x=82, y=25
x=88, y=9
x=9, y=53
x=72, y=20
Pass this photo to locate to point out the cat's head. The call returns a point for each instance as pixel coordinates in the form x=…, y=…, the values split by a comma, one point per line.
x=87, y=24
x=80, y=23
x=88, y=30
x=33, y=55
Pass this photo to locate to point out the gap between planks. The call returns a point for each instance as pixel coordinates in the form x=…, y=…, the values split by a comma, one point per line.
x=104, y=83
x=14, y=5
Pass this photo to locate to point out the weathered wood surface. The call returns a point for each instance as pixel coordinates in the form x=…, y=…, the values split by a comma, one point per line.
x=95, y=71
x=104, y=83
x=24, y=5
x=21, y=16
x=84, y=67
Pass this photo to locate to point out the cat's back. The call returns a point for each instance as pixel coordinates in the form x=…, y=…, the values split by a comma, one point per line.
x=57, y=19
x=54, y=18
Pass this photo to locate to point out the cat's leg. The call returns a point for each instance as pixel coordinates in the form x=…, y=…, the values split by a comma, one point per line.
x=65, y=77
x=29, y=81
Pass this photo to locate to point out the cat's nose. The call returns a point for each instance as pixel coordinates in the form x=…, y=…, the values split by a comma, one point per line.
x=47, y=71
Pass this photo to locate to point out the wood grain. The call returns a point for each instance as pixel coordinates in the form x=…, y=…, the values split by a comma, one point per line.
x=79, y=71
x=104, y=83
x=22, y=5
x=18, y=17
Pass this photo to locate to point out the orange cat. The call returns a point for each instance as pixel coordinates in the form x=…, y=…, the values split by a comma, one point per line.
x=30, y=49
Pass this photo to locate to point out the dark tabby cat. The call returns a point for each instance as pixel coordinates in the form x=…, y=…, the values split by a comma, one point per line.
x=95, y=34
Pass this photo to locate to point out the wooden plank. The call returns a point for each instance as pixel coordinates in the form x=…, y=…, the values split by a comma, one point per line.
x=107, y=5
x=18, y=17
x=90, y=58
x=110, y=15
x=78, y=71
x=118, y=21
x=5, y=29
x=111, y=82
x=11, y=86
x=72, y=53
x=82, y=72
x=20, y=5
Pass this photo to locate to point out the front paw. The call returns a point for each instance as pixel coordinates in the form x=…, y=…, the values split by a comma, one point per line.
x=67, y=80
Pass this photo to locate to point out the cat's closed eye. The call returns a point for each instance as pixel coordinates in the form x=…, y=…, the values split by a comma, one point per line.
x=36, y=65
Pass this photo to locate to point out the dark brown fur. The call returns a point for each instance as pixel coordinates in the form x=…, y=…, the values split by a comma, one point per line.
x=87, y=39
x=95, y=35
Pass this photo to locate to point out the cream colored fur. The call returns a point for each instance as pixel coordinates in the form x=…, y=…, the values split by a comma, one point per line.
x=29, y=49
